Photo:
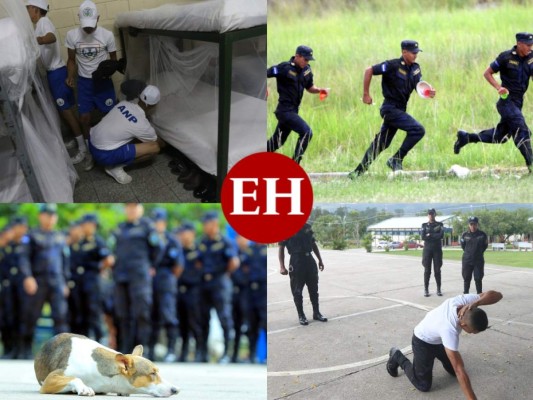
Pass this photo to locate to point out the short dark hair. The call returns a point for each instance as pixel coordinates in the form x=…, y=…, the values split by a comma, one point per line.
x=43, y=12
x=478, y=320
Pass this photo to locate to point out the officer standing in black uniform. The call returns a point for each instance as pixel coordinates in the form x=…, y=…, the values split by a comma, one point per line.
x=474, y=243
x=432, y=234
x=188, y=292
x=165, y=286
x=48, y=277
x=96, y=257
x=292, y=77
x=303, y=270
x=220, y=260
x=253, y=262
x=137, y=251
x=75, y=298
x=241, y=299
x=13, y=295
x=400, y=77
x=516, y=68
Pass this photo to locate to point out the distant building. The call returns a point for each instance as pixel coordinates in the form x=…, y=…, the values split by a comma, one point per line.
x=400, y=228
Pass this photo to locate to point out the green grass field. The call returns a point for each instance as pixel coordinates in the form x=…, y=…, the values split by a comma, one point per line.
x=458, y=45
x=507, y=258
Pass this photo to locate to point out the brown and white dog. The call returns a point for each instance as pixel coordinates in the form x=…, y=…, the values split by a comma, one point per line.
x=74, y=363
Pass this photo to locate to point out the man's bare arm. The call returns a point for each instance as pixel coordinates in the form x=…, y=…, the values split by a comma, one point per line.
x=488, y=74
x=462, y=376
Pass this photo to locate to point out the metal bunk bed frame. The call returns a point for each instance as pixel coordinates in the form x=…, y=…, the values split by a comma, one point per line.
x=225, y=41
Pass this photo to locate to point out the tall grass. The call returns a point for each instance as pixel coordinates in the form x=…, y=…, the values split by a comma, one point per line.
x=458, y=44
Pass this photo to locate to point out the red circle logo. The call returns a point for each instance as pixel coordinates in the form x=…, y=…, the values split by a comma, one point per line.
x=267, y=197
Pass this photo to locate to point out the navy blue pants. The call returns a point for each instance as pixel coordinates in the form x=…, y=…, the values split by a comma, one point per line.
x=432, y=254
x=288, y=122
x=164, y=314
x=85, y=305
x=189, y=317
x=475, y=268
x=53, y=292
x=133, y=306
x=512, y=124
x=420, y=371
x=304, y=273
x=240, y=315
x=12, y=300
x=257, y=310
x=394, y=119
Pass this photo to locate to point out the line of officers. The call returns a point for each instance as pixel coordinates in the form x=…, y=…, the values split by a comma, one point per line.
x=153, y=280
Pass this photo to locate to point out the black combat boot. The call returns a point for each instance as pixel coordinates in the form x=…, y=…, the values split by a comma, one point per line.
x=316, y=314
x=301, y=315
x=25, y=352
x=479, y=286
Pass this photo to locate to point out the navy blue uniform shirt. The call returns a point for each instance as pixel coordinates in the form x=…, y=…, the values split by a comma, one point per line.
x=432, y=232
x=474, y=245
x=49, y=254
x=253, y=258
x=515, y=72
x=15, y=259
x=94, y=250
x=216, y=254
x=191, y=275
x=292, y=81
x=398, y=81
x=172, y=253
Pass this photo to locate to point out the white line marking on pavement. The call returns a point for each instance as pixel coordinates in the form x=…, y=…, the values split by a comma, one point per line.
x=328, y=297
x=408, y=303
x=340, y=317
x=510, y=322
x=405, y=350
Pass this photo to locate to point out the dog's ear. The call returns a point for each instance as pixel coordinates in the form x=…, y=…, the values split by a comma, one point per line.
x=137, y=351
x=125, y=363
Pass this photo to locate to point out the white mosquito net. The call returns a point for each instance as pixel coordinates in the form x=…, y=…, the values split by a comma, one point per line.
x=187, y=74
x=23, y=89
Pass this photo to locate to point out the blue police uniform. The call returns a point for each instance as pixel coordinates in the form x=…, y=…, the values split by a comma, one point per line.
x=432, y=234
x=49, y=258
x=398, y=82
x=216, y=289
x=240, y=304
x=253, y=261
x=515, y=72
x=189, y=301
x=137, y=250
x=291, y=82
x=165, y=292
x=75, y=298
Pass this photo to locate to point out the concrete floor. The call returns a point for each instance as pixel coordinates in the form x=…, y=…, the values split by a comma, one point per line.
x=196, y=381
x=373, y=301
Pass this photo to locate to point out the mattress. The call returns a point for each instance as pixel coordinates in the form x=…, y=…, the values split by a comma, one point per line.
x=190, y=124
x=205, y=16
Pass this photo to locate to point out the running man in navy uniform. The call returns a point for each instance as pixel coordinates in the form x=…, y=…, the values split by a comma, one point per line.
x=303, y=270
x=474, y=243
x=432, y=233
x=292, y=78
x=400, y=77
x=516, y=68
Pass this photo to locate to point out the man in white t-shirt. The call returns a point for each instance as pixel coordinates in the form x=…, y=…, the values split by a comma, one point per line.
x=437, y=336
x=56, y=70
x=88, y=46
x=110, y=141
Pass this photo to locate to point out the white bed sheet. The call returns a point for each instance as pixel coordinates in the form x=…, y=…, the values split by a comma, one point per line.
x=196, y=134
x=205, y=16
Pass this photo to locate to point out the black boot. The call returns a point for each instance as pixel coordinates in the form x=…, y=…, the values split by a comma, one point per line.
x=25, y=352
x=439, y=293
x=301, y=315
x=392, y=365
x=316, y=314
x=479, y=286
x=426, y=292
x=466, y=287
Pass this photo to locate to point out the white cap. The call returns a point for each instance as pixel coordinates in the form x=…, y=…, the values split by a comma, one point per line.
x=88, y=14
x=42, y=4
x=150, y=95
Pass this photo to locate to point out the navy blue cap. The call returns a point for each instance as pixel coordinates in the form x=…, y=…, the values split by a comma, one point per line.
x=524, y=37
x=473, y=220
x=18, y=221
x=186, y=226
x=411, y=46
x=89, y=218
x=159, y=214
x=48, y=208
x=306, y=52
x=76, y=222
x=209, y=216
x=432, y=211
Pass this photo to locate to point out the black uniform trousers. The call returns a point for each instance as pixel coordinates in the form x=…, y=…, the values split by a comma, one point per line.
x=240, y=315
x=304, y=272
x=432, y=253
x=257, y=314
x=513, y=124
x=476, y=268
x=420, y=371
x=287, y=122
x=394, y=118
x=85, y=305
x=12, y=300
